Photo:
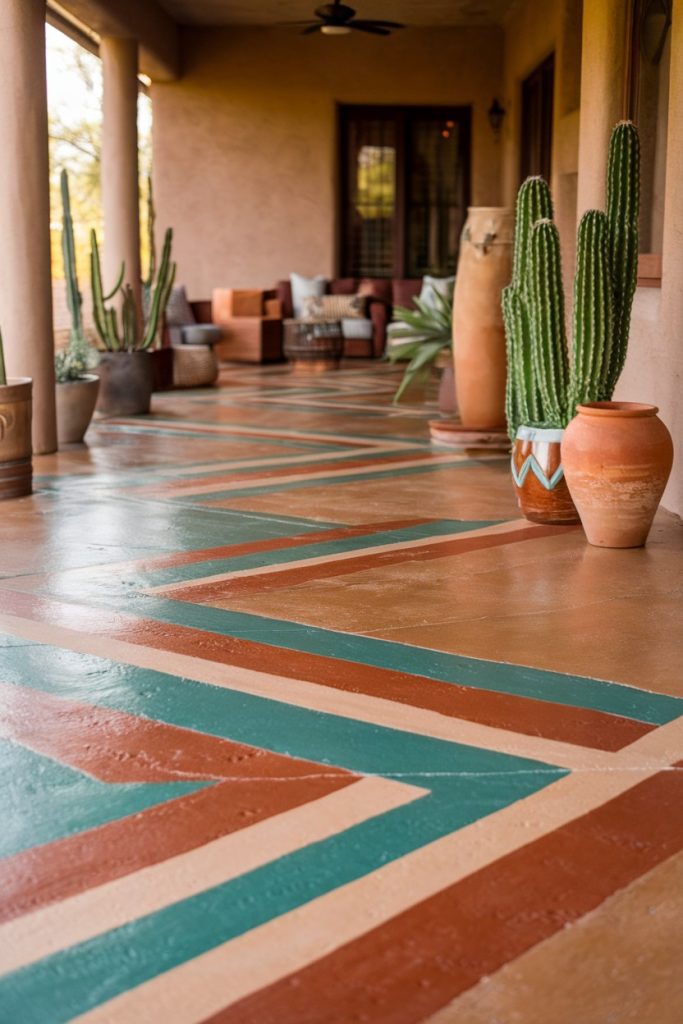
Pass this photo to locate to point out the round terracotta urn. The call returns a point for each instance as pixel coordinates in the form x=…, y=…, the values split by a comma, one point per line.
x=484, y=269
x=538, y=476
x=617, y=457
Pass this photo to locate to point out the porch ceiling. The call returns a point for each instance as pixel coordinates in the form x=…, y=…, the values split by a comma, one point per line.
x=271, y=12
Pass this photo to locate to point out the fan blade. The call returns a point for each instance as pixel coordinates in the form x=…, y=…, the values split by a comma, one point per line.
x=378, y=24
x=366, y=26
x=311, y=29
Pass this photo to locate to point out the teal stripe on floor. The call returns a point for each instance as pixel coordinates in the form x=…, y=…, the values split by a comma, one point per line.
x=465, y=784
x=312, y=549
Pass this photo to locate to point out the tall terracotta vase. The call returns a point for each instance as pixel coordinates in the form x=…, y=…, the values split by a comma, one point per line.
x=484, y=268
x=617, y=457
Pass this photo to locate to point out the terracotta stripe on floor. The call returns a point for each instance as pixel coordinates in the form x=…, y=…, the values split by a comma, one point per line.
x=116, y=903
x=332, y=467
x=580, y=726
x=247, y=548
x=409, y=968
x=116, y=747
x=330, y=567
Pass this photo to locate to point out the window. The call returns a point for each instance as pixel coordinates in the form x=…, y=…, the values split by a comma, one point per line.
x=405, y=189
x=648, y=106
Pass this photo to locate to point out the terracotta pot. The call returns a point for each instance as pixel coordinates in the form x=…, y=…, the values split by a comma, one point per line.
x=75, y=406
x=617, y=457
x=446, y=399
x=484, y=268
x=538, y=477
x=15, y=438
x=125, y=383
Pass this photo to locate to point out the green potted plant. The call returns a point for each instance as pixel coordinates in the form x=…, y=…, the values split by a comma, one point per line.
x=15, y=433
x=76, y=388
x=543, y=388
x=126, y=368
x=423, y=340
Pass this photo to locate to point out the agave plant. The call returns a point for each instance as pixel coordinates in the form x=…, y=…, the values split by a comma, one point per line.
x=427, y=330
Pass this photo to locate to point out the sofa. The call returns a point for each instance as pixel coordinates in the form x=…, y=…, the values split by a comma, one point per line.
x=383, y=294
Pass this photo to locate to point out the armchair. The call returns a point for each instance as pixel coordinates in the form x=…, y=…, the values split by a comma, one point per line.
x=250, y=321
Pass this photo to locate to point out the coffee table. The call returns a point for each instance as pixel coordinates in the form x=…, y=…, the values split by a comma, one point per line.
x=313, y=346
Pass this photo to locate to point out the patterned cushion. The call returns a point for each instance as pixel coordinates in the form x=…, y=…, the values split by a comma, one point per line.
x=178, y=311
x=302, y=287
x=334, y=307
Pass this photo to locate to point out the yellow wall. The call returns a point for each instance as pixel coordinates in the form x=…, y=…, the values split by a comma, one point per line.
x=245, y=157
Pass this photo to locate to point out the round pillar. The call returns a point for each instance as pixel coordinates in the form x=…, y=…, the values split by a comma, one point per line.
x=120, y=190
x=603, y=76
x=25, y=272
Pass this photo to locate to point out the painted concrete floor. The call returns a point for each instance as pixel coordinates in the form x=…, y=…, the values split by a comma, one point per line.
x=303, y=725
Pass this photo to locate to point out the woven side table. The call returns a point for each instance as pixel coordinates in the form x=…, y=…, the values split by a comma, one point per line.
x=313, y=346
x=194, y=366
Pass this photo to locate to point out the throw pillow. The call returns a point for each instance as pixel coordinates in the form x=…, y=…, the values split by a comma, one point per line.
x=334, y=307
x=443, y=285
x=302, y=287
x=178, y=310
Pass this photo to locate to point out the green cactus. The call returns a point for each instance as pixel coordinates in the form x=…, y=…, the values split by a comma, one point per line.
x=78, y=357
x=130, y=338
x=526, y=392
x=148, y=282
x=542, y=389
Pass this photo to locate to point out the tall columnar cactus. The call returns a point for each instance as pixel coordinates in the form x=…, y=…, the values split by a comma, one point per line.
x=73, y=294
x=524, y=395
x=541, y=388
x=130, y=338
x=148, y=281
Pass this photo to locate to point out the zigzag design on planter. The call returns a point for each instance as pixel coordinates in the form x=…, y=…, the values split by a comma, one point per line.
x=532, y=463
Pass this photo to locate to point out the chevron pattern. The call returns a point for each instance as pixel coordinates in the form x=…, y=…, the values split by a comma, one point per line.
x=281, y=747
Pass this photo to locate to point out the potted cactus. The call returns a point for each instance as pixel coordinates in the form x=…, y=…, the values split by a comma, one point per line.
x=126, y=367
x=15, y=434
x=543, y=387
x=76, y=388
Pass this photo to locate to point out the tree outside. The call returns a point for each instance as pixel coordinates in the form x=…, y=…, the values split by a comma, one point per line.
x=74, y=80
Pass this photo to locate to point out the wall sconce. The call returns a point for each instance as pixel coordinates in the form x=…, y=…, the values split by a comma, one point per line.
x=496, y=114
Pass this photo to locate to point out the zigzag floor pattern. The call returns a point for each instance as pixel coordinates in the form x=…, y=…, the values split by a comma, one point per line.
x=302, y=724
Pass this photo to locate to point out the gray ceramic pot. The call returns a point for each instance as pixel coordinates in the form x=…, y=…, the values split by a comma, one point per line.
x=125, y=383
x=75, y=406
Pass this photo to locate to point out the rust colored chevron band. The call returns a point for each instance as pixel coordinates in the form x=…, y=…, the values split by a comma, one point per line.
x=407, y=969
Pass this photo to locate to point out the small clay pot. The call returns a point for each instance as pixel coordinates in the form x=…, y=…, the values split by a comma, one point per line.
x=125, y=383
x=617, y=458
x=538, y=477
x=16, y=471
x=75, y=401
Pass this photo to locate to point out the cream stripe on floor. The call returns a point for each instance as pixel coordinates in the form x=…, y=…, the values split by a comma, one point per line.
x=203, y=986
x=312, y=696
x=108, y=906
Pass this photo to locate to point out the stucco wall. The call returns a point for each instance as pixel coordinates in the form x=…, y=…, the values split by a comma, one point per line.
x=654, y=364
x=534, y=30
x=245, y=147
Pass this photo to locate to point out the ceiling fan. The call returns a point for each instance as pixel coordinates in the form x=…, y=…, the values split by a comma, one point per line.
x=337, y=19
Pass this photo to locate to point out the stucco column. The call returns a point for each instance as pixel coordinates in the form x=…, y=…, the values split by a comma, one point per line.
x=603, y=74
x=25, y=277
x=120, y=199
